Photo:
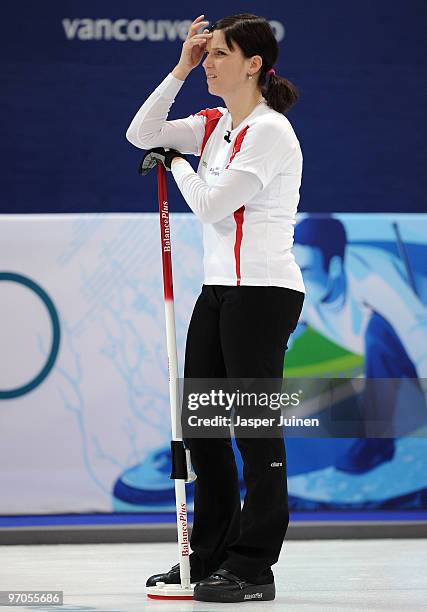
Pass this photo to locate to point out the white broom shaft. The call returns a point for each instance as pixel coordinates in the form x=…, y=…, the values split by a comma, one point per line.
x=173, y=369
x=183, y=537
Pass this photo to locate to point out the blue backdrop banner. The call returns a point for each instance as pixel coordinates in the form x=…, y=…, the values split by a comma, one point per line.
x=73, y=74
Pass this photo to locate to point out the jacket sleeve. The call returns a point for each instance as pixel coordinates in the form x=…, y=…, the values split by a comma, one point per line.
x=150, y=128
x=212, y=203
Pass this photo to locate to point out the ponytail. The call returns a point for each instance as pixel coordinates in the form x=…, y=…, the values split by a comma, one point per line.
x=279, y=93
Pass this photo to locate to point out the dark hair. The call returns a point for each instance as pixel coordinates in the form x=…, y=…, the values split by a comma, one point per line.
x=254, y=36
x=325, y=233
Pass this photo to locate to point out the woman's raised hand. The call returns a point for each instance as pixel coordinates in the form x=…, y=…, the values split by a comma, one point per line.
x=194, y=45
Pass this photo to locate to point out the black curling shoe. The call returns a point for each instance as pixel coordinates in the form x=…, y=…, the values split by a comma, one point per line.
x=171, y=577
x=223, y=586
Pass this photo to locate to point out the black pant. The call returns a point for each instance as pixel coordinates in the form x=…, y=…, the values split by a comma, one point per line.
x=238, y=332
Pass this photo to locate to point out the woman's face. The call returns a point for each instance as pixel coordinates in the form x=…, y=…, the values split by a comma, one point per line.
x=229, y=68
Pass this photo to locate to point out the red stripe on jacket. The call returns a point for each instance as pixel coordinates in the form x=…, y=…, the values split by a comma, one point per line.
x=213, y=115
x=240, y=212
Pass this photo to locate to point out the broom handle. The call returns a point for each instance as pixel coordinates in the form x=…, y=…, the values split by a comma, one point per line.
x=180, y=497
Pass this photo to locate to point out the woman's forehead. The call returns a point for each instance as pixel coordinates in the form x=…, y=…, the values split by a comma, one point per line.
x=218, y=41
